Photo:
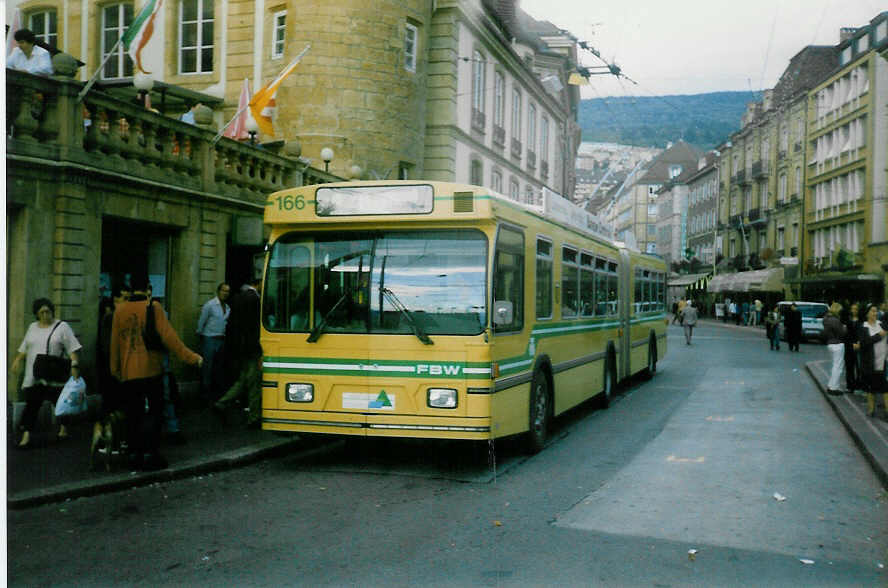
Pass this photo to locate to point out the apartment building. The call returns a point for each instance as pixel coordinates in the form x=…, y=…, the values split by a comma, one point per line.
x=846, y=208
x=634, y=213
x=702, y=208
x=761, y=181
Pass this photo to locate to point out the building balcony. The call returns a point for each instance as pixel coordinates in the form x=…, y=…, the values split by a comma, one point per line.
x=531, y=159
x=478, y=120
x=760, y=169
x=499, y=136
x=739, y=177
x=516, y=149
x=735, y=220
x=793, y=251
x=126, y=142
x=756, y=216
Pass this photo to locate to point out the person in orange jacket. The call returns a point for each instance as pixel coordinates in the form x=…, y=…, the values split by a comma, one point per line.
x=140, y=371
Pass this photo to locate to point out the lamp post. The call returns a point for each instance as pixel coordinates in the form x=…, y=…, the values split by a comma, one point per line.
x=143, y=82
x=252, y=128
x=327, y=156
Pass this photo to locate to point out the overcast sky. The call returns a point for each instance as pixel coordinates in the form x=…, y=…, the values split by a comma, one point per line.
x=696, y=46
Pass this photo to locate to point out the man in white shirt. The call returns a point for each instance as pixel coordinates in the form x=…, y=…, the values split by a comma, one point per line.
x=28, y=56
x=211, y=328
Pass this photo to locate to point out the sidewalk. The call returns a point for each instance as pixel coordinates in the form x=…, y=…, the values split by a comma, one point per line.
x=870, y=434
x=54, y=471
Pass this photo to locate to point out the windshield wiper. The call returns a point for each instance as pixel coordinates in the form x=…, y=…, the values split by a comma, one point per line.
x=319, y=328
x=417, y=330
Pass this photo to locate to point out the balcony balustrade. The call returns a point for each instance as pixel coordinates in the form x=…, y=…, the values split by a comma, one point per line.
x=516, y=148
x=760, y=169
x=123, y=139
x=499, y=136
x=478, y=120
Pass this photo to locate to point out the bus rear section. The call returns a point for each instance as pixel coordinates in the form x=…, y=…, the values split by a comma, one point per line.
x=377, y=333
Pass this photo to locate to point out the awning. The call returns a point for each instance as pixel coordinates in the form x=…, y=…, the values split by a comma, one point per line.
x=686, y=280
x=766, y=280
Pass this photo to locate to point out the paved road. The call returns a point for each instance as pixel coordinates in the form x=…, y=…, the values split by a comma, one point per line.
x=688, y=461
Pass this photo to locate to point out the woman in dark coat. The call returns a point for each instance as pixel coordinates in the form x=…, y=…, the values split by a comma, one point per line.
x=873, y=352
x=852, y=324
x=793, y=325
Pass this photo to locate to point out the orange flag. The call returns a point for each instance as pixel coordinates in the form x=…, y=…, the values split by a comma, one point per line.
x=262, y=105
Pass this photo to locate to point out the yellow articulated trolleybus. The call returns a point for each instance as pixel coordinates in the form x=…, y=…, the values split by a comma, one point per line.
x=440, y=310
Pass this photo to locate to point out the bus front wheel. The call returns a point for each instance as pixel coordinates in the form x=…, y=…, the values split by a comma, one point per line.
x=540, y=412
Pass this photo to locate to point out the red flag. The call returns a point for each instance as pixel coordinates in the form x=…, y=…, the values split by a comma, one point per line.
x=237, y=129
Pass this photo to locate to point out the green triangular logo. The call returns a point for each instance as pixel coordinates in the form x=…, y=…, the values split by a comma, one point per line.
x=383, y=399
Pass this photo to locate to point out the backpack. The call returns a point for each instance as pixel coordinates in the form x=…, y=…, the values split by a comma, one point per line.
x=152, y=339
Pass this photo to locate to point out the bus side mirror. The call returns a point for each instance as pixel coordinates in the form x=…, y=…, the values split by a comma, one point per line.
x=502, y=312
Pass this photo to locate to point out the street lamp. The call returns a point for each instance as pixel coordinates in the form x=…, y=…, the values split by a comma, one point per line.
x=143, y=82
x=252, y=128
x=327, y=156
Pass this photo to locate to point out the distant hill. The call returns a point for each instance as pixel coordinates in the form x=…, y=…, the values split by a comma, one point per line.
x=704, y=120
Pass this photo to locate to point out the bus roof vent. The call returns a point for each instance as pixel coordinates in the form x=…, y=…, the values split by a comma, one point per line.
x=463, y=202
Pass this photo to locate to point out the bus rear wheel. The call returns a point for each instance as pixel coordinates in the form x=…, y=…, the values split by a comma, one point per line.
x=540, y=413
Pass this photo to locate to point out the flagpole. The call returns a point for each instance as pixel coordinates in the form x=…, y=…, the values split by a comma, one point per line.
x=95, y=76
x=228, y=124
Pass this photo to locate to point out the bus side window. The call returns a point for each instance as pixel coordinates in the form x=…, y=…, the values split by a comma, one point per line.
x=508, y=280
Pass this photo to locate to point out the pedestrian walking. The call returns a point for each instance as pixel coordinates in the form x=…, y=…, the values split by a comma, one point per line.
x=834, y=333
x=772, y=327
x=211, y=329
x=140, y=370
x=792, y=326
x=690, y=321
x=245, y=350
x=873, y=350
x=109, y=387
x=674, y=311
x=744, y=309
x=852, y=369
x=757, y=317
x=735, y=312
x=681, y=306
x=46, y=335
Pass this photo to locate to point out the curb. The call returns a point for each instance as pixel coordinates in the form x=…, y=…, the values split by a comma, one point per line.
x=194, y=467
x=871, y=442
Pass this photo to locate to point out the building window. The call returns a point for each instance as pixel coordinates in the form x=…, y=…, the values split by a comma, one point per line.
x=479, y=65
x=279, y=28
x=404, y=170
x=544, y=138
x=196, y=26
x=115, y=19
x=410, y=37
x=529, y=195
x=516, y=113
x=531, y=127
x=496, y=181
x=499, y=99
x=674, y=171
x=781, y=189
x=476, y=173
x=514, y=190
x=781, y=240
x=44, y=26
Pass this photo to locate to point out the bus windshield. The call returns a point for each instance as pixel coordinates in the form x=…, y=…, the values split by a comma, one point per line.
x=381, y=282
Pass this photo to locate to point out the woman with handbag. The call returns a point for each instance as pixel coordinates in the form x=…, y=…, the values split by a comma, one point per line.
x=46, y=369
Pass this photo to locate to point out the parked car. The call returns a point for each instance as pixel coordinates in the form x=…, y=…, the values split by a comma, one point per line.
x=812, y=318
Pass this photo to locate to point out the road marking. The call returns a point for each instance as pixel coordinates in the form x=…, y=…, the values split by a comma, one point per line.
x=674, y=459
x=720, y=419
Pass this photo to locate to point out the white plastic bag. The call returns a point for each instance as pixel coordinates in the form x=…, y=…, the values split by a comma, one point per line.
x=72, y=400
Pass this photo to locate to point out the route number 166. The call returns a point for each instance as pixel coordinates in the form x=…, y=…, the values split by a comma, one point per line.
x=289, y=202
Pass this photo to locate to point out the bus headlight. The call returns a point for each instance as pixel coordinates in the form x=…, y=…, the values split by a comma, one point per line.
x=300, y=392
x=442, y=398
